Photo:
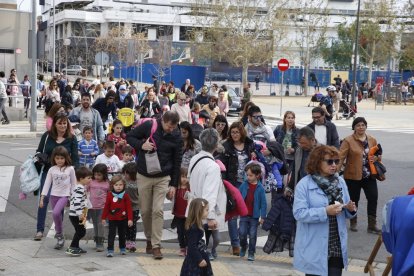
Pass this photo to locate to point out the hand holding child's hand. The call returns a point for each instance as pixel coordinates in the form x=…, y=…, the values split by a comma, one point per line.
x=203, y=263
x=129, y=223
x=103, y=221
x=81, y=218
x=261, y=221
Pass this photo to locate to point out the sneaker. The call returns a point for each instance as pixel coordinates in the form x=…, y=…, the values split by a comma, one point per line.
x=182, y=252
x=242, y=252
x=100, y=248
x=214, y=253
x=251, y=257
x=82, y=251
x=133, y=247
x=60, y=242
x=210, y=256
x=123, y=251
x=128, y=245
x=38, y=236
x=74, y=252
x=110, y=253
x=5, y=123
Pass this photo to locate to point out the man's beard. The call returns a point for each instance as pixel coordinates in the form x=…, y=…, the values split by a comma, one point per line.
x=85, y=105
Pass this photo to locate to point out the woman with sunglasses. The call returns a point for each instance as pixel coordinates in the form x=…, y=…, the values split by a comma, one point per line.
x=321, y=206
x=52, y=95
x=354, y=155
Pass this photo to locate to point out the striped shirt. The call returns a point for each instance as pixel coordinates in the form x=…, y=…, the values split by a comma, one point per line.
x=86, y=148
x=78, y=201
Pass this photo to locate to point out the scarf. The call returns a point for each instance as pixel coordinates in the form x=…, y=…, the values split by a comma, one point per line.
x=119, y=195
x=256, y=133
x=329, y=185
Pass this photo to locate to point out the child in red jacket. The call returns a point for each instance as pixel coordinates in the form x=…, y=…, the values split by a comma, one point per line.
x=180, y=205
x=118, y=211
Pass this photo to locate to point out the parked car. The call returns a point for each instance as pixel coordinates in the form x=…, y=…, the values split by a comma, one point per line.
x=73, y=70
x=217, y=76
x=235, y=99
x=251, y=76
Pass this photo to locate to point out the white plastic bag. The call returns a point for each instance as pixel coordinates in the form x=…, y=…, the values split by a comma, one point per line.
x=29, y=178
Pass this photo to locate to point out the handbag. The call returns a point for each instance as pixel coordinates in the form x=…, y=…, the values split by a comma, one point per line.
x=152, y=161
x=41, y=158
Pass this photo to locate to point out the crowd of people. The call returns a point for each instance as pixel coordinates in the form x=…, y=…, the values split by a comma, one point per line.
x=183, y=148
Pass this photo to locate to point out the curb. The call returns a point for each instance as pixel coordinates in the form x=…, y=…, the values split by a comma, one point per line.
x=22, y=135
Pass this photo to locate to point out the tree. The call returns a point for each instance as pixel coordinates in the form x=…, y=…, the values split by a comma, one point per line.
x=240, y=32
x=310, y=28
x=120, y=43
x=378, y=28
x=340, y=52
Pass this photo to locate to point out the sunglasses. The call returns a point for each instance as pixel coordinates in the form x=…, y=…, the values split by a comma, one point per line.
x=330, y=162
x=257, y=117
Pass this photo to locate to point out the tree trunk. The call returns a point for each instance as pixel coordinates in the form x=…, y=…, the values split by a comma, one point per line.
x=306, y=67
x=245, y=68
x=371, y=62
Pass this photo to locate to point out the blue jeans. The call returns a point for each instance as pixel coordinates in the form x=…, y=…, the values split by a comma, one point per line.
x=233, y=232
x=41, y=212
x=248, y=226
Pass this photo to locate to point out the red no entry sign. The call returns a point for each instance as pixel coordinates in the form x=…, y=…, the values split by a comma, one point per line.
x=283, y=64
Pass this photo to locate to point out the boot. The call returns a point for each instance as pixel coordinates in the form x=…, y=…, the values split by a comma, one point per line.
x=372, y=225
x=353, y=227
x=236, y=250
x=156, y=253
x=148, y=249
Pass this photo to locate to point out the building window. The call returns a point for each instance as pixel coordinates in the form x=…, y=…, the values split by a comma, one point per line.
x=86, y=29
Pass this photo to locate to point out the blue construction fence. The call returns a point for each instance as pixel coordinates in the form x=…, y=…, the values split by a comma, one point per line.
x=295, y=76
x=179, y=73
x=176, y=73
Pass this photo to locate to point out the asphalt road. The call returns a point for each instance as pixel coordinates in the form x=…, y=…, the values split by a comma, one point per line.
x=19, y=218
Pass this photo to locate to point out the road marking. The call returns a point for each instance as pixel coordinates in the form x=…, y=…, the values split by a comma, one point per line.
x=6, y=177
x=11, y=143
x=22, y=148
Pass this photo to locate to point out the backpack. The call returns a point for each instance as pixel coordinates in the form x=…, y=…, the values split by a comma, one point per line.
x=231, y=202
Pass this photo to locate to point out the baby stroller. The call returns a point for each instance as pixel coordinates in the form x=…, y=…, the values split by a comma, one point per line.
x=347, y=110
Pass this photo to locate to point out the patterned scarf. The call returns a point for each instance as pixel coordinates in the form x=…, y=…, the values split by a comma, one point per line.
x=330, y=186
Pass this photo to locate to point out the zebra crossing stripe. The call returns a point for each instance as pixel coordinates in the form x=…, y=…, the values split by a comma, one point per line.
x=6, y=177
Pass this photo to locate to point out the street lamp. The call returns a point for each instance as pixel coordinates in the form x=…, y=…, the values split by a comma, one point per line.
x=54, y=40
x=354, y=73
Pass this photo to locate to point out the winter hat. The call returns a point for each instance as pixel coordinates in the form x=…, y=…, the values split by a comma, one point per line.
x=357, y=121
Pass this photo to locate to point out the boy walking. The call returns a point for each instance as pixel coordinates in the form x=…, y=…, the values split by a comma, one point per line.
x=87, y=148
x=78, y=210
x=254, y=195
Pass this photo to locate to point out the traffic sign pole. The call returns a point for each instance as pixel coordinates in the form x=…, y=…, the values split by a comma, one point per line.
x=282, y=65
x=281, y=93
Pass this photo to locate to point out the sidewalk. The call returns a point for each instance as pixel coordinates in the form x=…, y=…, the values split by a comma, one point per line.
x=21, y=129
x=391, y=115
x=27, y=257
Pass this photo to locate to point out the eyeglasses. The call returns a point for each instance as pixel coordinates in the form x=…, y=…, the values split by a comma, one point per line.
x=257, y=117
x=330, y=162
